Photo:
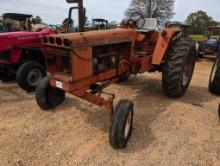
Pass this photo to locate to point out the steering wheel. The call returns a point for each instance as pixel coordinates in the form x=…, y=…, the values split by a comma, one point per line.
x=138, y=19
x=55, y=28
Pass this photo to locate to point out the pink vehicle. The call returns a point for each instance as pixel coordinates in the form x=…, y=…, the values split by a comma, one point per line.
x=21, y=55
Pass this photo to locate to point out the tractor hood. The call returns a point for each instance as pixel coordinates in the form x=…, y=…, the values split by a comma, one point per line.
x=11, y=40
x=25, y=33
x=92, y=38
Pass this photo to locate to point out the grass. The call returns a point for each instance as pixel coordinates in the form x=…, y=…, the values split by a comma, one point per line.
x=197, y=38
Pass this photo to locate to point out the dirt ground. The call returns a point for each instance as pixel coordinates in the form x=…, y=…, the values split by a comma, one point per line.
x=184, y=131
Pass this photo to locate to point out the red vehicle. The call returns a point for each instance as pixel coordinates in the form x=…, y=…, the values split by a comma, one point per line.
x=21, y=55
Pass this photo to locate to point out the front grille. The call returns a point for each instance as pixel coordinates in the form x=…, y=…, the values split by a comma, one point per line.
x=5, y=55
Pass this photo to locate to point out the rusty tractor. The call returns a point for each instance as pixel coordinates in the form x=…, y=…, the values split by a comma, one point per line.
x=84, y=64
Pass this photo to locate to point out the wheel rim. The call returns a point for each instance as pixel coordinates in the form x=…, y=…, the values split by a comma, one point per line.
x=128, y=125
x=188, y=69
x=34, y=76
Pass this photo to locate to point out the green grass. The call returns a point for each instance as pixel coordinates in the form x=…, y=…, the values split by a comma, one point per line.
x=197, y=38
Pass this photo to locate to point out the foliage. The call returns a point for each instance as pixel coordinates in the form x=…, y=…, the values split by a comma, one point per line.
x=197, y=38
x=199, y=22
x=87, y=22
x=160, y=9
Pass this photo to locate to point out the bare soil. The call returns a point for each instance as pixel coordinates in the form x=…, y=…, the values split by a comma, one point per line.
x=183, y=131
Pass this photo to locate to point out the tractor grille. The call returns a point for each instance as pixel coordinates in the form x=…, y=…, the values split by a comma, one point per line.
x=56, y=41
x=5, y=55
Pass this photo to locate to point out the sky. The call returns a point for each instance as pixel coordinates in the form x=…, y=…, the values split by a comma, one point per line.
x=55, y=11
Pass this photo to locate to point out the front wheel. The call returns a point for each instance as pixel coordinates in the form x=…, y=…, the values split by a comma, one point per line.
x=48, y=97
x=178, y=67
x=29, y=75
x=121, y=126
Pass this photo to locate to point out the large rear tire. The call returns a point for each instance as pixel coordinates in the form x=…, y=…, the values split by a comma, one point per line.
x=214, y=81
x=29, y=75
x=48, y=97
x=178, y=67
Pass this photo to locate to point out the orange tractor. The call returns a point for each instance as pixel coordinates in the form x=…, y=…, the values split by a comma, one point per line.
x=84, y=64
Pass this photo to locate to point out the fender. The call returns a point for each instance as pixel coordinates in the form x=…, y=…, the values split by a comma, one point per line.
x=164, y=40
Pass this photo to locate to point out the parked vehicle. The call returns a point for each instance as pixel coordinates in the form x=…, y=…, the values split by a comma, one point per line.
x=13, y=22
x=99, y=24
x=210, y=45
x=21, y=56
x=21, y=53
x=84, y=64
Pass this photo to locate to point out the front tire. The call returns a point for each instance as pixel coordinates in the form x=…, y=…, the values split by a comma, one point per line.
x=29, y=75
x=178, y=67
x=121, y=127
x=48, y=97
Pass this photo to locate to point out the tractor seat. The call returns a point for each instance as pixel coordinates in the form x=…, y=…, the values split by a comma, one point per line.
x=150, y=25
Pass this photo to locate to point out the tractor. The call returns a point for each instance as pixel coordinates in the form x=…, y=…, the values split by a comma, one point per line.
x=20, y=53
x=210, y=45
x=84, y=64
x=13, y=22
x=99, y=24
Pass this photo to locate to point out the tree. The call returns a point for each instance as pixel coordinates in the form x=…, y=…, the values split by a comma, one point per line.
x=162, y=10
x=199, y=22
x=86, y=21
x=37, y=20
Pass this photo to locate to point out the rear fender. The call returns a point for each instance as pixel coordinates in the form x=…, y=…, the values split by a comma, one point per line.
x=163, y=43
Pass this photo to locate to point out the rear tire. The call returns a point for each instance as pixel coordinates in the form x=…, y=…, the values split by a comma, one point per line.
x=178, y=67
x=214, y=81
x=29, y=75
x=48, y=97
x=121, y=127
